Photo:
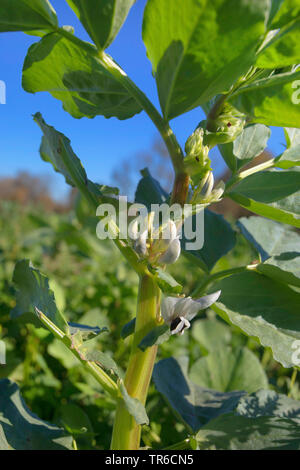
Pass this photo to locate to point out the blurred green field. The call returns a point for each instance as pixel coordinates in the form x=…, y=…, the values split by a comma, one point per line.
x=92, y=285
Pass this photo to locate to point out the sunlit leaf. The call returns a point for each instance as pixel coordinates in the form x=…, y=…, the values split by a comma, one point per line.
x=198, y=50
x=20, y=15
x=264, y=309
x=102, y=19
x=33, y=292
x=227, y=370
x=195, y=405
x=77, y=78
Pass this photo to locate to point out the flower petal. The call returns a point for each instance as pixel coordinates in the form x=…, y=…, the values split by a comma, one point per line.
x=140, y=245
x=179, y=325
x=203, y=303
x=167, y=308
x=172, y=253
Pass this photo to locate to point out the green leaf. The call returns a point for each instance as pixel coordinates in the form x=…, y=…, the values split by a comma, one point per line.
x=149, y=191
x=286, y=211
x=289, y=10
x=289, y=158
x=268, y=186
x=56, y=149
x=264, y=309
x=292, y=136
x=260, y=189
x=165, y=281
x=283, y=49
x=197, y=50
x=77, y=423
x=272, y=101
x=75, y=76
x=210, y=334
x=156, y=336
x=20, y=15
x=105, y=361
x=86, y=332
x=248, y=145
x=33, y=292
x=134, y=407
x=268, y=237
x=283, y=268
x=268, y=403
x=227, y=370
x=219, y=239
x=102, y=19
x=194, y=405
x=20, y=429
x=128, y=329
x=230, y=432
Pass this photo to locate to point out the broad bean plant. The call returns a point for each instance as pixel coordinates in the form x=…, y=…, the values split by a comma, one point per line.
x=239, y=62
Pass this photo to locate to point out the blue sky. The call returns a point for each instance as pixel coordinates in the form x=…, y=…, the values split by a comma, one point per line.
x=100, y=143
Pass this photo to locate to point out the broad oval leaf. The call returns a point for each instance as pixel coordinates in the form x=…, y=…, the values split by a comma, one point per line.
x=289, y=158
x=211, y=334
x=77, y=78
x=34, y=292
x=248, y=145
x=231, y=432
x=219, y=239
x=149, y=191
x=20, y=429
x=269, y=403
x=286, y=211
x=264, y=309
x=198, y=50
x=284, y=268
x=273, y=101
x=29, y=15
x=102, y=18
x=227, y=370
x=268, y=186
x=268, y=237
x=195, y=405
x=289, y=10
x=283, y=49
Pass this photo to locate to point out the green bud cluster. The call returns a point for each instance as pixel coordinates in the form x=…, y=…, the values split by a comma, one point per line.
x=225, y=128
x=196, y=162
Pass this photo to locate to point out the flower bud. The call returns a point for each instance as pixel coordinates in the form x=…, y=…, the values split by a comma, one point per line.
x=225, y=128
x=196, y=162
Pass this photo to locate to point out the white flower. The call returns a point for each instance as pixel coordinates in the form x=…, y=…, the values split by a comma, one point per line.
x=161, y=245
x=179, y=311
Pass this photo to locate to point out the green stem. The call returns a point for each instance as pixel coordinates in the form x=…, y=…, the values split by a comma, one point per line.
x=102, y=378
x=186, y=444
x=161, y=124
x=118, y=73
x=243, y=174
x=292, y=383
x=126, y=432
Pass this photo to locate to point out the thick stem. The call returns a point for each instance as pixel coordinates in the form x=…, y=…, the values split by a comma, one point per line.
x=180, y=189
x=161, y=124
x=126, y=432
